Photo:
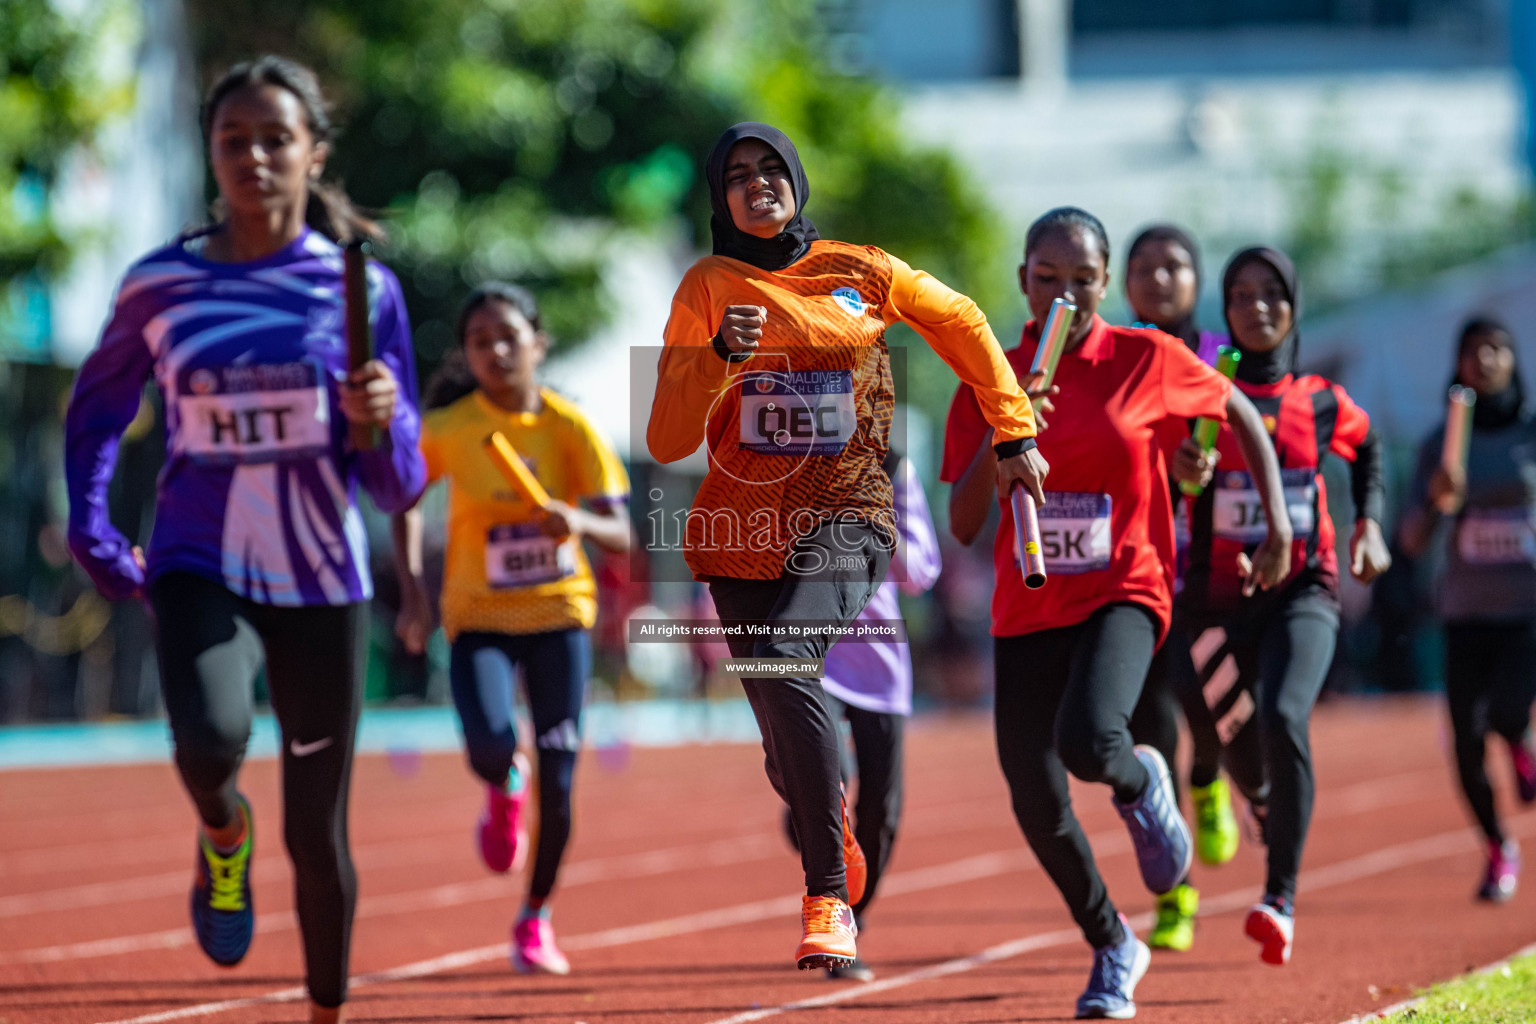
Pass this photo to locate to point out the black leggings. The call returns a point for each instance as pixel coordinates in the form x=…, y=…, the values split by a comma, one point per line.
x=1064, y=703
x=877, y=741
x=212, y=643
x=1490, y=682
x=800, y=737
x=874, y=770
x=1283, y=646
x=1174, y=687
x=555, y=670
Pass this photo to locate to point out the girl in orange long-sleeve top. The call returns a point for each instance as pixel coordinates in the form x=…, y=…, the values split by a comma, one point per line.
x=776, y=359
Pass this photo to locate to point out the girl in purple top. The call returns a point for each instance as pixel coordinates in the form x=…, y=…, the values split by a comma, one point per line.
x=870, y=685
x=258, y=557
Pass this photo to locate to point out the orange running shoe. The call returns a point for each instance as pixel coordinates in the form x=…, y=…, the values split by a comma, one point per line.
x=829, y=933
x=855, y=868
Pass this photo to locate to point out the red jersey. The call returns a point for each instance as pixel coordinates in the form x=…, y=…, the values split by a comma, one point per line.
x=1127, y=395
x=1307, y=417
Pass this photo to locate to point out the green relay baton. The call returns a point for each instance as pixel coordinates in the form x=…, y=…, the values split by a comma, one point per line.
x=1207, y=429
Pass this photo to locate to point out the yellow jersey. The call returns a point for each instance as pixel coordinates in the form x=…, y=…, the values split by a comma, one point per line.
x=501, y=574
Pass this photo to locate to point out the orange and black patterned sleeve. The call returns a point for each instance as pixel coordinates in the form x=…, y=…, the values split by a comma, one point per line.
x=691, y=373
x=957, y=330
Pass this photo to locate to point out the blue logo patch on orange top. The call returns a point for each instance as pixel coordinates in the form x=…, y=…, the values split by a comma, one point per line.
x=852, y=302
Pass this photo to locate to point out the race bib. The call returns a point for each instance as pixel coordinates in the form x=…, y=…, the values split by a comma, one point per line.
x=520, y=555
x=258, y=413
x=1502, y=536
x=797, y=413
x=1074, y=532
x=1239, y=513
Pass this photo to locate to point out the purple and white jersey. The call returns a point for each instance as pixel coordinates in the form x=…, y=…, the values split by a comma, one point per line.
x=878, y=676
x=258, y=487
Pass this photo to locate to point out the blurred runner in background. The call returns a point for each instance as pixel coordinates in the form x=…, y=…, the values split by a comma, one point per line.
x=1486, y=593
x=517, y=588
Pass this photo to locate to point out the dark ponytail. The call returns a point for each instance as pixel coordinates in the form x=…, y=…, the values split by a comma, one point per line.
x=329, y=211
x=453, y=378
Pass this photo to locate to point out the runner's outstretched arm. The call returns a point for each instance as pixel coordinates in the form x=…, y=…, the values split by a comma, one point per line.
x=957, y=330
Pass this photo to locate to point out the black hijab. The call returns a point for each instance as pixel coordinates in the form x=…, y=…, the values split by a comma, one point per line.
x=766, y=253
x=1187, y=329
x=1266, y=367
x=1492, y=412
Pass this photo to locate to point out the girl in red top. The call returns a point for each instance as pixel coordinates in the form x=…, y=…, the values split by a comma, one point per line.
x=1282, y=641
x=1071, y=657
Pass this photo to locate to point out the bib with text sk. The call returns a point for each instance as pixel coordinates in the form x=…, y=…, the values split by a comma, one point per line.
x=1074, y=532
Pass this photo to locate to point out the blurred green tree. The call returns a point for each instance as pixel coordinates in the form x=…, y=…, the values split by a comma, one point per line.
x=523, y=139
x=52, y=99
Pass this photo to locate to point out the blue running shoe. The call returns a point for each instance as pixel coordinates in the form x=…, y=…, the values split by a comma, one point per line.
x=1111, y=986
x=222, y=914
x=1164, y=849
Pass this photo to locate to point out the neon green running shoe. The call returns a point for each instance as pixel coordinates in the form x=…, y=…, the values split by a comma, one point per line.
x=223, y=917
x=1215, y=827
x=1175, y=928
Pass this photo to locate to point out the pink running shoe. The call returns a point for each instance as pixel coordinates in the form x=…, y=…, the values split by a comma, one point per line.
x=534, y=950
x=502, y=832
x=1523, y=754
x=1503, y=875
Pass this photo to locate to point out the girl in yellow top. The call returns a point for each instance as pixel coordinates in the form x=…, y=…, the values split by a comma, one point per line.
x=775, y=358
x=517, y=589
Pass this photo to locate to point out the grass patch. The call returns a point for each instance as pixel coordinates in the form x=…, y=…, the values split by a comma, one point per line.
x=1505, y=995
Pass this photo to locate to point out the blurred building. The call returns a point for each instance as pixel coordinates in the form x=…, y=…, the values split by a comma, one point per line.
x=1353, y=122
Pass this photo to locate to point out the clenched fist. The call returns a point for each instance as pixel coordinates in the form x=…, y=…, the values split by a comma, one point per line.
x=742, y=327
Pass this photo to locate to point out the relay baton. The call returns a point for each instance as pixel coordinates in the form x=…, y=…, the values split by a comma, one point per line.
x=1053, y=339
x=1206, y=429
x=1026, y=534
x=515, y=470
x=1458, y=429
x=1026, y=522
x=359, y=331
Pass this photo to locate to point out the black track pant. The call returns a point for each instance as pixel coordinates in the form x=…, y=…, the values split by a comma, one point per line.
x=877, y=740
x=1173, y=688
x=800, y=736
x=1283, y=646
x=212, y=643
x=481, y=671
x=1064, y=703
x=1490, y=683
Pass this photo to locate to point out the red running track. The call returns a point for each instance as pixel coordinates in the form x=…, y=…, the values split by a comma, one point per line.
x=679, y=900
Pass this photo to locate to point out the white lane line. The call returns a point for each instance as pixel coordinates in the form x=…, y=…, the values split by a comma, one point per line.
x=1108, y=844
x=967, y=869
x=1354, y=799
x=273, y=870
x=1376, y=862
x=1406, y=1004
x=721, y=853
x=724, y=852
